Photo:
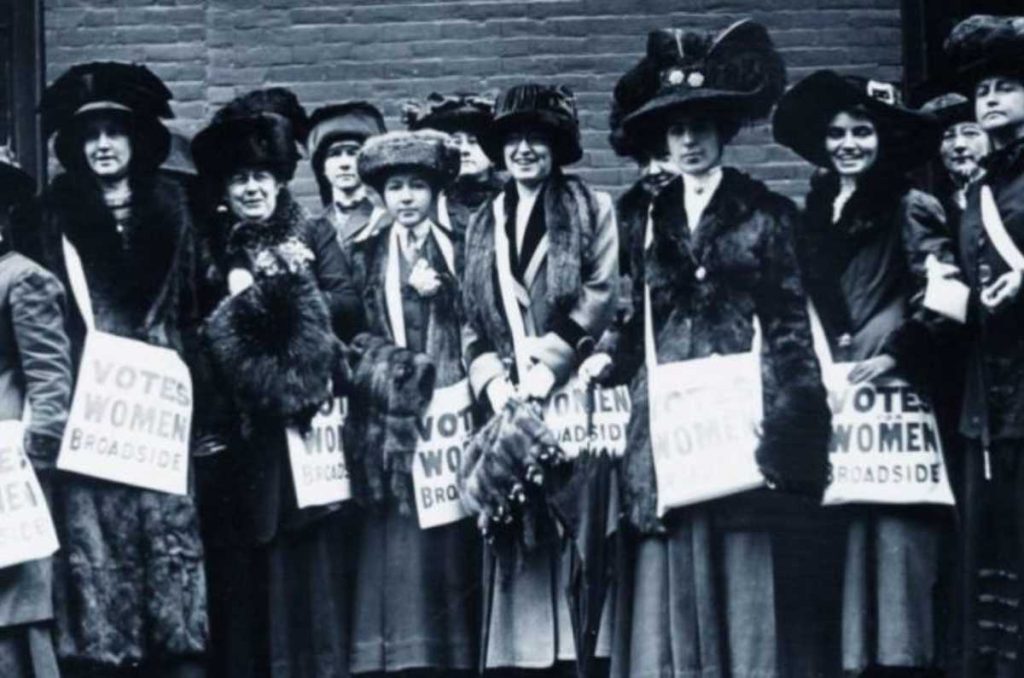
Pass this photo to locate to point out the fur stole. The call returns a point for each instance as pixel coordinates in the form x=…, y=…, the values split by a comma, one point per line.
x=391, y=389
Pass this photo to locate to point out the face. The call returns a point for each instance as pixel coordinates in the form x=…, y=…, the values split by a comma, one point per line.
x=340, y=165
x=108, y=149
x=657, y=172
x=528, y=156
x=409, y=197
x=851, y=141
x=963, y=145
x=252, y=194
x=694, y=145
x=999, y=105
x=474, y=161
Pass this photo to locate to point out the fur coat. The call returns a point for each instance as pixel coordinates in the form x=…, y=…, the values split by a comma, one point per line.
x=129, y=579
x=743, y=243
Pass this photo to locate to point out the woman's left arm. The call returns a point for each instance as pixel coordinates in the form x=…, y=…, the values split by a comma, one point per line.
x=334, y=276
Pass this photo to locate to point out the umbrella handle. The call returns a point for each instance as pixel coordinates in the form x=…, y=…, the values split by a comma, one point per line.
x=490, y=574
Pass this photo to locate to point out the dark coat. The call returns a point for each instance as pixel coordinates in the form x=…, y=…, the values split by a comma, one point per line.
x=133, y=555
x=744, y=244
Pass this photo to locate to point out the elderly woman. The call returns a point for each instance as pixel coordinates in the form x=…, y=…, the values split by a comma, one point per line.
x=986, y=57
x=129, y=579
x=715, y=262
x=416, y=590
x=862, y=247
x=278, y=575
x=559, y=239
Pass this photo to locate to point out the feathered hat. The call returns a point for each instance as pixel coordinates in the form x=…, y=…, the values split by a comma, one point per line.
x=355, y=120
x=949, y=109
x=985, y=45
x=128, y=91
x=426, y=151
x=736, y=73
x=908, y=137
x=458, y=112
x=549, y=108
x=262, y=128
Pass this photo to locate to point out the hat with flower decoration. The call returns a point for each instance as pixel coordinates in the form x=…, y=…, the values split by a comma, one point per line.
x=457, y=112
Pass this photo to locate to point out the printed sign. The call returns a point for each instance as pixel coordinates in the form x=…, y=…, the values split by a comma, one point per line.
x=885, y=444
x=26, y=528
x=566, y=416
x=704, y=415
x=318, y=459
x=444, y=432
x=131, y=415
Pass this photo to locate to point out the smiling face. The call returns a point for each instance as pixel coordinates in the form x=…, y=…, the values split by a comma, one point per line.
x=694, y=144
x=340, y=165
x=657, y=172
x=964, y=144
x=474, y=161
x=108, y=147
x=252, y=193
x=409, y=197
x=999, y=106
x=851, y=141
x=528, y=156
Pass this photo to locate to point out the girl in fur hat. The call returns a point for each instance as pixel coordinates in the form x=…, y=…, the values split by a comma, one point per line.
x=416, y=606
x=714, y=261
x=129, y=579
x=279, y=585
x=560, y=241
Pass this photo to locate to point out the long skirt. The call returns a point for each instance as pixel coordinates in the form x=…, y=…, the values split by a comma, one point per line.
x=26, y=651
x=281, y=609
x=417, y=595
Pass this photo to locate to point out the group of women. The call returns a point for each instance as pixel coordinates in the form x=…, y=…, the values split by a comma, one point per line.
x=461, y=257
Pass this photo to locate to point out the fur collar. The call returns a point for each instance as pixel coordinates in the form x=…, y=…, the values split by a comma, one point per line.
x=233, y=242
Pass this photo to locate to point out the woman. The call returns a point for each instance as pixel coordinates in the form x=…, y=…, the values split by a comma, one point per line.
x=561, y=245
x=862, y=247
x=35, y=376
x=278, y=573
x=465, y=117
x=130, y=586
x=416, y=590
x=717, y=261
x=985, y=54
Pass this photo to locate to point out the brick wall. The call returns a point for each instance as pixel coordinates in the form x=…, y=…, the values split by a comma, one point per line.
x=386, y=50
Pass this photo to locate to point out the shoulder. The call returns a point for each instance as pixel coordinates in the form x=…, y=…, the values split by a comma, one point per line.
x=920, y=205
x=756, y=196
x=29, y=279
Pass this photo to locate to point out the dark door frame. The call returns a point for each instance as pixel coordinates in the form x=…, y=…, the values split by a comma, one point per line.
x=28, y=60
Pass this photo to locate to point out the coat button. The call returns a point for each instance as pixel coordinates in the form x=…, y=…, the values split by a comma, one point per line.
x=700, y=273
x=845, y=340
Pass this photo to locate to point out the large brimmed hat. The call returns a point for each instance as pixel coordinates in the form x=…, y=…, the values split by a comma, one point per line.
x=425, y=151
x=352, y=120
x=802, y=117
x=636, y=87
x=113, y=88
x=949, y=109
x=735, y=73
x=548, y=108
x=458, y=112
x=257, y=129
x=985, y=45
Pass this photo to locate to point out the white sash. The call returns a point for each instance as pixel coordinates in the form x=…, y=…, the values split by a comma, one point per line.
x=996, y=231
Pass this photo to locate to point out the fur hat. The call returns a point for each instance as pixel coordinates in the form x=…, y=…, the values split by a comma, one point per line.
x=985, y=45
x=130, y=92
x=458, y=112
x=550, y=108
x=908, y=137
x=357, y=120
x=279, y=100
x=736, y=73
x=949, y=109
x=427, y=151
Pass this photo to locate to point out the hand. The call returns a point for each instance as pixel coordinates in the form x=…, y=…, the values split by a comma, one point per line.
x=940, y=269
x=537, y=382
x=1004, y=290
x=499, y=391
x=872, y=368
x=596, y=368
x=424, y=279
x=239, y=279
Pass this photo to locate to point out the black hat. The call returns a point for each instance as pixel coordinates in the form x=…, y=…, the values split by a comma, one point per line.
x=984, y=45
x=356, y=120
x=803, y=115
x=427, y=151
x=279, y=100
x=633, y=90
x=129, y=91
x=458, y=112
x=735, y=73
x=949, y=109
x=550, y=108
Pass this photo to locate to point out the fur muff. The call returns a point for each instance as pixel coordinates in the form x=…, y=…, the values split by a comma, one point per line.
x=391, y=389
x=790, y=453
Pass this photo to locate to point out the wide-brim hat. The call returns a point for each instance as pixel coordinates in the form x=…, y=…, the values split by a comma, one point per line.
x=427, y=152
x=984, y=45
x=357, y=120
x=277, y=100
x=803, y=114
x=736, y=73
x=129, y=92
x=948, y=109
x=262, y=140
x=450, y=113
x=548, y=108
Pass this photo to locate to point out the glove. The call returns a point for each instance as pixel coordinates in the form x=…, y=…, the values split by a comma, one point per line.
x=596, y=368
x=538, y=382
x=238, y=280
x=499, y=390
